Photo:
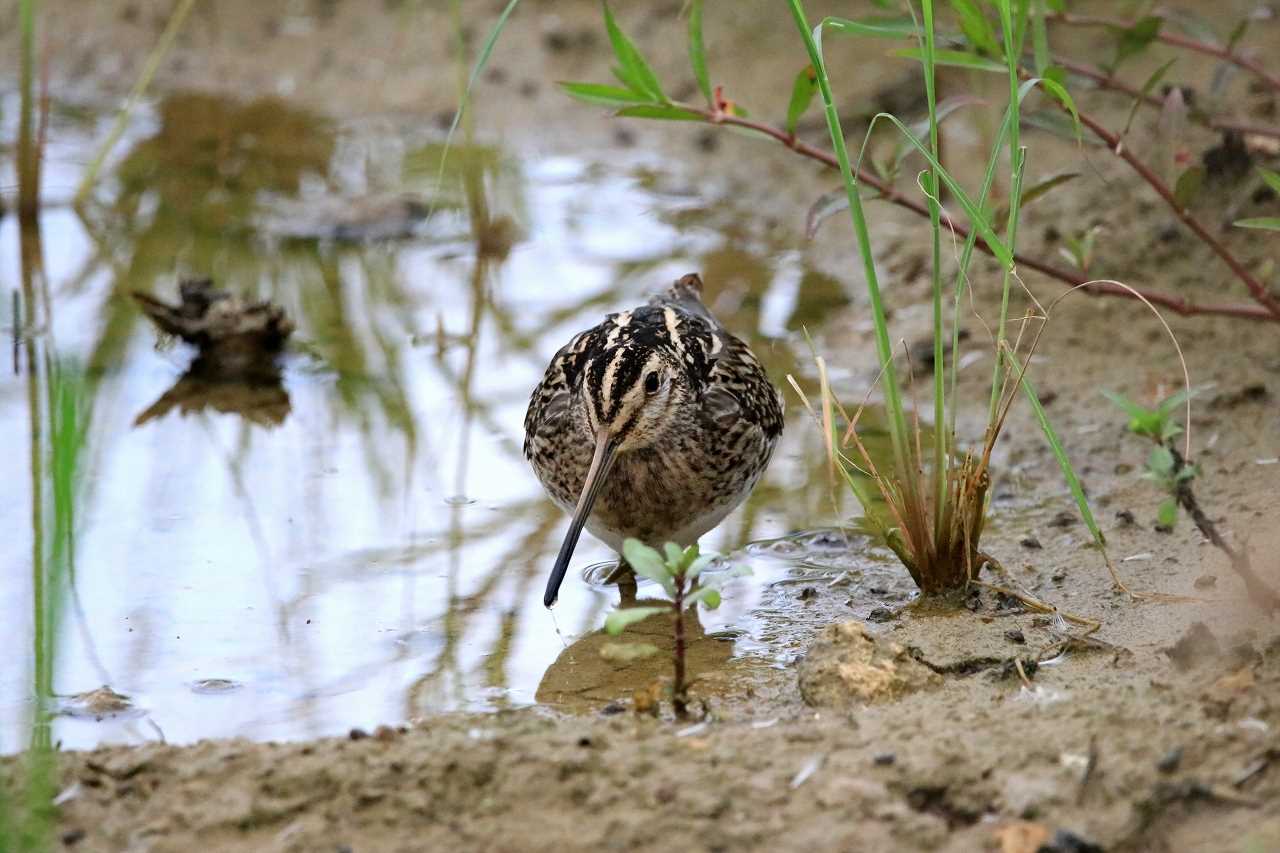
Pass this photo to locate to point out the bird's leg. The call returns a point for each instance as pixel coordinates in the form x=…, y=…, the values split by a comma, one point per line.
x=625, y=578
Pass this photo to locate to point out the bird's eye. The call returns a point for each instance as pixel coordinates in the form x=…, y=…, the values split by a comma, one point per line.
x=651, y=383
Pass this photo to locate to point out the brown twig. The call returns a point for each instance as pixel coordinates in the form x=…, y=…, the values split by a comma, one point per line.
x=1176, y=304
x=1183, y=42
x=1259, y=591
x=1256, y=288
x=1110, y=81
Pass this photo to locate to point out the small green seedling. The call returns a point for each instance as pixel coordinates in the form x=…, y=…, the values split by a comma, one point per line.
x=1079, y=249
x=1156, y=424
x=1164, y=466
x=677, y=573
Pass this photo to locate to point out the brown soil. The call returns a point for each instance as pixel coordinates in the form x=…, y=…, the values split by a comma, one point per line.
x=1160, y=732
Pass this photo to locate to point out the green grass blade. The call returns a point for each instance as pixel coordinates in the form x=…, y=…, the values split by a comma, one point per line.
x=1017, y=157
x=698, y=51
x=1265, y=223
x=1060, y=454
x=1272, y=179
x=954, y=58
x=940, y=436
x=481, y=60
x=893, y=399
x=882, y=28
x=157, y=55
x=1039, y=39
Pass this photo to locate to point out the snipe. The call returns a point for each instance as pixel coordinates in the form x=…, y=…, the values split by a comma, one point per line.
x=654, y=424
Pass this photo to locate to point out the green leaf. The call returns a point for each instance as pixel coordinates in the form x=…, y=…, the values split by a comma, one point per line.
x=1134, y=39
x=1188, y=186
x=708, y=596
x=698, y=51
x=1129, y=407
x=647, y=563
x=1058, y=91
x=976, y=28
x=802, y=92
x=596, y=93
x=1147, y=88
x=633, y=70
x=1160, y=462
x=696, y=567
x=1272, y=179
x=1167, y=514
x=686, y=559
x=673, y=555
x=883, y=28
x=1034, y=192
x=1266, y=223
x=956, y=58
x=660, y=111
x=1237, y=34
x=618, y=620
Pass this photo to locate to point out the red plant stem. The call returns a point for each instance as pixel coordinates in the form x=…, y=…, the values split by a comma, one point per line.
x=1176, y=41
x=1107, y=81
x=679, y=701
x=1176, y=304
x=1256, y=288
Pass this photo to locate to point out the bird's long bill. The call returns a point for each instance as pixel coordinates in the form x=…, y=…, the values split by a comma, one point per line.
x=601, y=462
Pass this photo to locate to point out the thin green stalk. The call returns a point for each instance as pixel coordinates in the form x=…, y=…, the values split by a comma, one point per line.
x=940, y=436
x=158, y=53
x=1017, y=159
x=893, y=399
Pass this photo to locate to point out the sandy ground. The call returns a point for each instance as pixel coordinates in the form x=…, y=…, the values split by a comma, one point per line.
x=913, y=732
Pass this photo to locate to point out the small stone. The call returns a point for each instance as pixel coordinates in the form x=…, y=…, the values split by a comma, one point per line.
x=1063, y=519
x=1015, y=635
x=584, y=742
x=1206, y=581
x=1126, y=517
x=357, y=734
x=72, y=836
x=880, y=614
x=384, y=733
x=613, y=708
x=884, y=759
x=808, y=594
x=848, y=666
x=1170, y=760
x=1066, y=841
x=1030, y=542
x=1058, y=577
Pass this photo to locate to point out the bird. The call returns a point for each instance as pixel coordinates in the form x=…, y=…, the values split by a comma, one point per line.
x=654, y=424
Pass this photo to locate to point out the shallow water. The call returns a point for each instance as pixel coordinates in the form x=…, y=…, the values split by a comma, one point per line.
x=363, y=543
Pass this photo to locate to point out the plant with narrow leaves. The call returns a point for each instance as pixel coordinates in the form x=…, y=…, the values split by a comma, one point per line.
x=679, y=572
x=1164, y=466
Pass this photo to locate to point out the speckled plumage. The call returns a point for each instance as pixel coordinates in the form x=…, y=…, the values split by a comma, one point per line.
x=691, y=444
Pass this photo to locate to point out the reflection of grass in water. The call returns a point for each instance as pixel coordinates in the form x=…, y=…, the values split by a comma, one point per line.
x=26, y=823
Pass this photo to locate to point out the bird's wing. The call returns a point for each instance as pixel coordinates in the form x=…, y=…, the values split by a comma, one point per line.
x=738, y=388
x=549, y=406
